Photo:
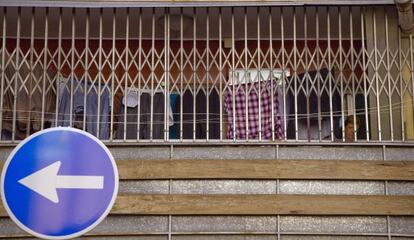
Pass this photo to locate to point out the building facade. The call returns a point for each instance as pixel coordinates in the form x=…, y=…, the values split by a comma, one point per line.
x=202, y=90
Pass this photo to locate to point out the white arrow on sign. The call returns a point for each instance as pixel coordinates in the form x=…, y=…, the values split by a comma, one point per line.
x=46, y=181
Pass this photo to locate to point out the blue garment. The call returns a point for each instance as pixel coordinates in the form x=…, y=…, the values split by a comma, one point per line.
x=91, y=108
x=175, y=127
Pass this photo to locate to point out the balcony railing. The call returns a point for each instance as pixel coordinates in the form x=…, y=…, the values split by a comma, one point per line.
x=320, y=74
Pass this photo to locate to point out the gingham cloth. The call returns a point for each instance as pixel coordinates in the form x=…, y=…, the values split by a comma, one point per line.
x=250, y=93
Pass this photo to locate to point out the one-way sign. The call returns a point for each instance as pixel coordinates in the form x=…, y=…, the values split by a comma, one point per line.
x=46, y=181
x=59, y=183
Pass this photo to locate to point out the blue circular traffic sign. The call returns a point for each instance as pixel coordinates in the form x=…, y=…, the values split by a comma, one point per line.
x=59, y=183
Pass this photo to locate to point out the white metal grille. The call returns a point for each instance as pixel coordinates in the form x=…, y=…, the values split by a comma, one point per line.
x=176, y=64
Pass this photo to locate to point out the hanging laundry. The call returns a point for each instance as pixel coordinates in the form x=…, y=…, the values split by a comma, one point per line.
x=199, y=114
x=72, y=106
x=256, y=99
x=140, y=99
x=175, y=127
x=313, y=107
x=32, y=104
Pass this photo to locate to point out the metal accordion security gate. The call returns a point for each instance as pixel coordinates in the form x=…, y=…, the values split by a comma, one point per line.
x=265, y=74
